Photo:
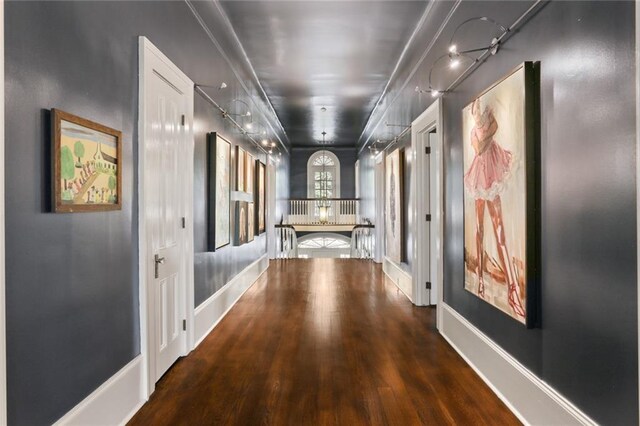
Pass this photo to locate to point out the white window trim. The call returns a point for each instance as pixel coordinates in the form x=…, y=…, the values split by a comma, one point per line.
x=335, y=169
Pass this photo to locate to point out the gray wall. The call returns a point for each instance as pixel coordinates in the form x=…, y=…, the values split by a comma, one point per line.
x=72, y=298
x=298, y=178
x=586, y=347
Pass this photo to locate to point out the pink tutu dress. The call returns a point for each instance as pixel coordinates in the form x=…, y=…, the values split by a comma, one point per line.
x=489, y=170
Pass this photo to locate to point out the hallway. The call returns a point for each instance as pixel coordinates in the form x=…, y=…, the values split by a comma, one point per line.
x=323, y=341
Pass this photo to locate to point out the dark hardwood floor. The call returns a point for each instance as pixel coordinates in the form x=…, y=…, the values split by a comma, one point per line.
x=323, y=342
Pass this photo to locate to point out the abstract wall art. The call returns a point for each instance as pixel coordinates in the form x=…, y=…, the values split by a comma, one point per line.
x=241, y=163
x=500, y=146
x=249, y=173
x=219, y=191
x=251, y=220
x=241, y=220
x=260, y=197
x=86, y=165
x=394, y=202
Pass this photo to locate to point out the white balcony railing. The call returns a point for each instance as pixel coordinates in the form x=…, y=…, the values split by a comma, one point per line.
x=323, y=211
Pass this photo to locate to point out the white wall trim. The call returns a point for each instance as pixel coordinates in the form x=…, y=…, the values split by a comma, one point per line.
x=531, y=399
x=3, y=341
x=212, y=310
x=401, y=278
x=114, y=402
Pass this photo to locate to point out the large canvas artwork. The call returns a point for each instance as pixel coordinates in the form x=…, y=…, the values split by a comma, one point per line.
x=241, y=162
x=394, y=180
x=260, y=197
x=86, y=165
x=240, y=231
x=219, y=185
x=500, y=197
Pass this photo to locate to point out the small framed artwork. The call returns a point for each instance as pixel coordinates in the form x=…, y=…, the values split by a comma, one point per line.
x=500, y=136
x=259, y=197
x=86, y=165
x=241, y=163
x=240, y=230
x=249, y=173
x=219, y=191
x=251, y=220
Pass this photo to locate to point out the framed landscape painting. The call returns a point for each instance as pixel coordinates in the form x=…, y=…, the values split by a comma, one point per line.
x=394, y=202
x=260, y=197
x=86, y=165
x=241, y=162
x=240, y=231
x=219, y=191
x=500, y=135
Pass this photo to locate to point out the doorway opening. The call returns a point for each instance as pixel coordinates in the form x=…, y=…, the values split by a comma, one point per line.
x=428, y=208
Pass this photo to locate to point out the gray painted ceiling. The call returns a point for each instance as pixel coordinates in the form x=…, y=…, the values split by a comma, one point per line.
x=334, y=54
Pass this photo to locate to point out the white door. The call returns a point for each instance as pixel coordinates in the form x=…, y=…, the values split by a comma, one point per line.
x=166, y=175
x=426, y=143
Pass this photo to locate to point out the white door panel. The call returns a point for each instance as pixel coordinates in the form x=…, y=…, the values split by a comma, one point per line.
x=167, y=150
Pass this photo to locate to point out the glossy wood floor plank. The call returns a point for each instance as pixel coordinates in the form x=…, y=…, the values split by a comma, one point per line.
x=323, y=342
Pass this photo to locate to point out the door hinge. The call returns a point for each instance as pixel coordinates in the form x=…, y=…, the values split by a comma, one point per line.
x=428, y=285
x=184, y=222
x=184, y=325
x=427, y=150
x=428, y=218
x=183, y=120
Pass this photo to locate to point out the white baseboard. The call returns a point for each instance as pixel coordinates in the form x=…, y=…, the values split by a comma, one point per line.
x=212, y=310
x=532, y=400
x=401, y=278
x=113, y=403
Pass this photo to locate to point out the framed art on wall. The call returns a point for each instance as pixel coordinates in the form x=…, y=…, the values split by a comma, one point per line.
x=394, y=205
x=249, y=174
x=219, y=191
x=251, y=220
x=86, y=165
x=501, y=159
x=260, y=197
x=240, y=230
x=241, y=163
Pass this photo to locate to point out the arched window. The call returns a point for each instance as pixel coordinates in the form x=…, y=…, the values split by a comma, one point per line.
x=323, y=175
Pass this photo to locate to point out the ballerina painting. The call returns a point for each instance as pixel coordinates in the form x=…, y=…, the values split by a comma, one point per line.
x=495, y=200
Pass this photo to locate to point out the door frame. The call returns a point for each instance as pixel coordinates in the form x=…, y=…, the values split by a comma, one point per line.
x=433, y=165
x=271, y=171
x=379, y=181
x=145, y=48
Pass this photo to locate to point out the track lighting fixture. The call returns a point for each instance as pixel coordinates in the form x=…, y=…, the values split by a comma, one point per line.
x=455, y=56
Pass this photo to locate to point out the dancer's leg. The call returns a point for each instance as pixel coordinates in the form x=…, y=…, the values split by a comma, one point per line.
x=480, y=204
x=515, y=301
